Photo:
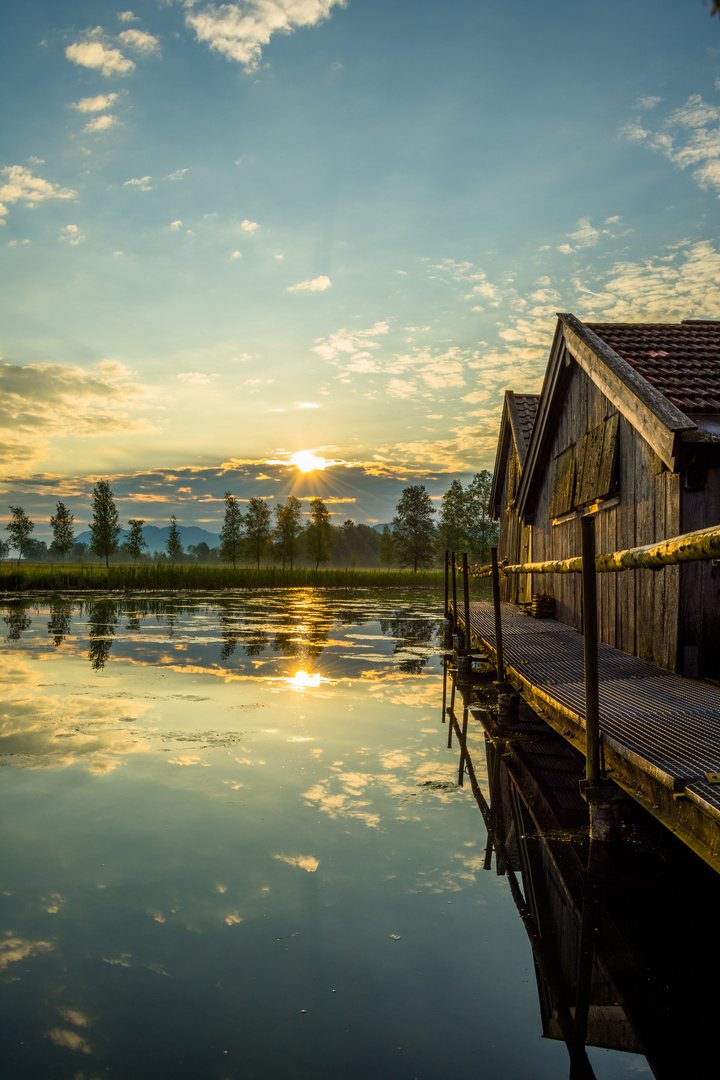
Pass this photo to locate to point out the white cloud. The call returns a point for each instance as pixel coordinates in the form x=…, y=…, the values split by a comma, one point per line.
x=100, y=123
x=349, y=342
x=318, y=284
x=306, y=405
x=174, y=225
x=249, y=226
x=681, y=285
x=39, y=402
x=240, y=30
x=689, y=135
x=648, y=101
x=93, y=54
x=302, y=862
x=139, y=40
x=196, y=378
x=96, y=104
x=127, y=17
x=21, y=185
x=177, y=175
x=142, y=182
x=72, y=235
x=236, y=254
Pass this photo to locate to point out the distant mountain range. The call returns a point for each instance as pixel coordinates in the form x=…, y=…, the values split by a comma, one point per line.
x=156, y=537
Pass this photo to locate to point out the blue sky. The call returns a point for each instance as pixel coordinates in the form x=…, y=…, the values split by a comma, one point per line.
x=235, y=232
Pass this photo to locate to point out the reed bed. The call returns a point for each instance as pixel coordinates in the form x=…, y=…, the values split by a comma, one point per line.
x=46, y=577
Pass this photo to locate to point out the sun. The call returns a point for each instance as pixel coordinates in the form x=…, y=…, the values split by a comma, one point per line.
x=306, y=461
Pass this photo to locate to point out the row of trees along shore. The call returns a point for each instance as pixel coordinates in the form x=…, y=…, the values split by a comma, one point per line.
x=281, y=537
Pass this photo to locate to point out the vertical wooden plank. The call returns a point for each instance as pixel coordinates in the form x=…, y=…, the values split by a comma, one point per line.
x=626, y=537
x=644, y=534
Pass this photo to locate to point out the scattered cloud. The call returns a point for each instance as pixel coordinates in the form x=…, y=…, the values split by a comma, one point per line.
x=22, y=186
x=15, y=949
x=197, y=378
x=71, y=1040
x=96, y=104
x=236, y=254
x=318, y=284
x=648, y=101
x=249, y=226
x=72, y=235
x=302, y=862
x=100, y=123
x=40, y=401
x=353, y=343
x=93, y=54
x=142, y=182
x=140, y=41
x=688, y=136
x=127, y=17
x=306, y=405
x=239, y=30
x=174, y=225
x=177, y=175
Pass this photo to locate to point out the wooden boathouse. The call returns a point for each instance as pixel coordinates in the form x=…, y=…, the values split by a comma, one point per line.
x=611, y=505
x=627, y=429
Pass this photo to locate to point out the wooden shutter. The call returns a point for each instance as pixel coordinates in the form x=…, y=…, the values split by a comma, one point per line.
x=563, y=482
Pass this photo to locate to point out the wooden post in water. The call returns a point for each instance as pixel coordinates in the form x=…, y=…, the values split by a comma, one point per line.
x=466, y=592
x=463, y=743
x=447, y=585
x=590, y=634
x=498, y=621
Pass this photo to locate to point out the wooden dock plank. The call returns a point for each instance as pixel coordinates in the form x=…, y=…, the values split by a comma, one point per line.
x=667, y=725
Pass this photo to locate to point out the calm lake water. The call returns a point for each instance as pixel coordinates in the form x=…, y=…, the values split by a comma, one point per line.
x=232, y=845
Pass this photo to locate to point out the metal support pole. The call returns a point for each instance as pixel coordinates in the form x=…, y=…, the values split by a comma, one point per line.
x=454, y=591
x=447, y=585
x=590, y=634
x=463, y=746
x=466, y=591
x=498, y=621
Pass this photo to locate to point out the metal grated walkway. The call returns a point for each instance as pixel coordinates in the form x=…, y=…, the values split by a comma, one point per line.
x=664, y=724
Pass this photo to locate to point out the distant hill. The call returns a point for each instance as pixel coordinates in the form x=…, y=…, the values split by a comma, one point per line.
x=156, y=537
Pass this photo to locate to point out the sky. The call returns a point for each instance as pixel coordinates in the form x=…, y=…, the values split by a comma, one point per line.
x=233, y=233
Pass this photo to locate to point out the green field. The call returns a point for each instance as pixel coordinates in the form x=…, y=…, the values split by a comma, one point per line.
x=46, y=577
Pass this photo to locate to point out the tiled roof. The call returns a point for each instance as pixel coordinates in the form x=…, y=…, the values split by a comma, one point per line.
x=526, y=405
x=682, y=360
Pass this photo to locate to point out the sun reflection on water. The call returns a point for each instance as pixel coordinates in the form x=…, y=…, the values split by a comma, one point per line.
x=303, y=680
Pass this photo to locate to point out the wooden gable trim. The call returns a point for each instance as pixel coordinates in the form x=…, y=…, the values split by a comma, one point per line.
x=657, y=420
x=650, y=413
x=516, y=427
x=500, y=460
x=552, y=396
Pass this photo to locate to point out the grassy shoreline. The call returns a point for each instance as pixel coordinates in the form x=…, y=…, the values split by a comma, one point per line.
x=44, y=577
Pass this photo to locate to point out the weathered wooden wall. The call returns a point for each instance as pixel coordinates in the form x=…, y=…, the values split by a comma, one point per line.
x=513, y=538
x=638, y=608
x=699, y=624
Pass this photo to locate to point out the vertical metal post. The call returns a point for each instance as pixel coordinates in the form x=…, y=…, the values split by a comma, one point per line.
x=466, y=591
x=590, y=634
x=463, y=745
x=445, y=678
x=451, y=714
x=447, y=585
x=454, y=590
x=498, y=622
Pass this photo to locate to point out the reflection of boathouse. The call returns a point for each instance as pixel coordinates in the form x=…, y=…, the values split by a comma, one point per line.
x=628, y=430
x=618, y=931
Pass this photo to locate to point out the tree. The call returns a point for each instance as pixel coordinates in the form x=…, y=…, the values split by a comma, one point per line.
x=200, y=551
x=319, y=539
x=20, y=526
x=105, y=525
x=4, y=549
x=36, y=550
x=136, y=542
x=482, y=531
x=61, y=523
x=453, y=528
x=386, y=549
x=288, y=526
x=231, y=537
x=173, y=544
x=257, y=528
x=413, y=529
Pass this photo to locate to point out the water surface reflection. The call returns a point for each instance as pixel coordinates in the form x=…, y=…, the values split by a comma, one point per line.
x=233, y=845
